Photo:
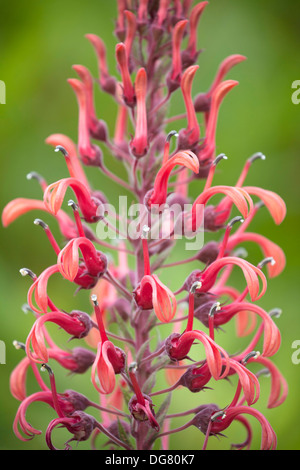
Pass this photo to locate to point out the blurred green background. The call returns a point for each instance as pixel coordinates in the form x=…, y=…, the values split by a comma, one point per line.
x=39, y=42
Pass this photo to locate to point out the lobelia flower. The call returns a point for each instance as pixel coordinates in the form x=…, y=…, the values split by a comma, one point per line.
x=139, y=144
x=77, y=324
x=109, y=361
x=156, y=59
x=95, y=262
x=151, y=292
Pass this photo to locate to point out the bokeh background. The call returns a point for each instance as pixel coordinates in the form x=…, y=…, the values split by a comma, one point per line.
x=39, y=42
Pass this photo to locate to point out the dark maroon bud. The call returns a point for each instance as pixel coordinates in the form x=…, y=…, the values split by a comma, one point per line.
x=175, y=349
x=109, y=85
x=173, y=84
x=183, y=141
x=83, y=429
x=85, y=319
x=203, y=298
x=202, y=312
x=189, y=59
x=191, y=279
x=203, y=172
x=210, y=215
x=78, y=401
x=93, y=157
x=195, y=378
x=202, y=419
x=118, y=362
x=143, y=410
x=99, y=130
x=208, y=253
x=84, y=359
x=202, y=103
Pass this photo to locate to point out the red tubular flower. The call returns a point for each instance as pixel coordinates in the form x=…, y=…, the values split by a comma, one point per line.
x=130, y=32
x=177, y=36
x=152, y=293
x=20, y=206
x=274, y=203
x=191, y=52
x=20, y=419
x=55, y=193
x=120, y=30
x=38, y=290
x=107, y=82
x=77, y=324
x=208, y=151
x=143, y=11
x=128, y=89
x=221, y=421
x=140, y=405
x=17, y=207
x=109, y=361
x=191, y=134
x=237, y=196
x=178, y=347
x=90, y=154
x=196, y=378
x=68, y=259
x=97, y=128
x=158, y=195
x=162, y=12
x=252, y=274
x=78, y=423
x=224, y=68
x=139, y=144
x=156, y=54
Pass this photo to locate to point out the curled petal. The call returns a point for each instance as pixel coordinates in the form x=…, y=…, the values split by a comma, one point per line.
x=162, y=298
x=251, y=273
x=214, y=353
x=268, y=439
x=272, y=337
x=224, y=68
x=176, y=53
x=186, y=159
x=238, y=196
x=104, y=369
x=269, y=249
x=195, y=16
x=248, y=380
x=55, y=193
x=274, y=203
x=18, y=380
x=20, y=206
x=193, y=130
x=39, y=290
x=279, y=386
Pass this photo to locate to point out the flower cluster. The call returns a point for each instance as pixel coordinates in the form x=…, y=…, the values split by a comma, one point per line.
x=156, y=55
